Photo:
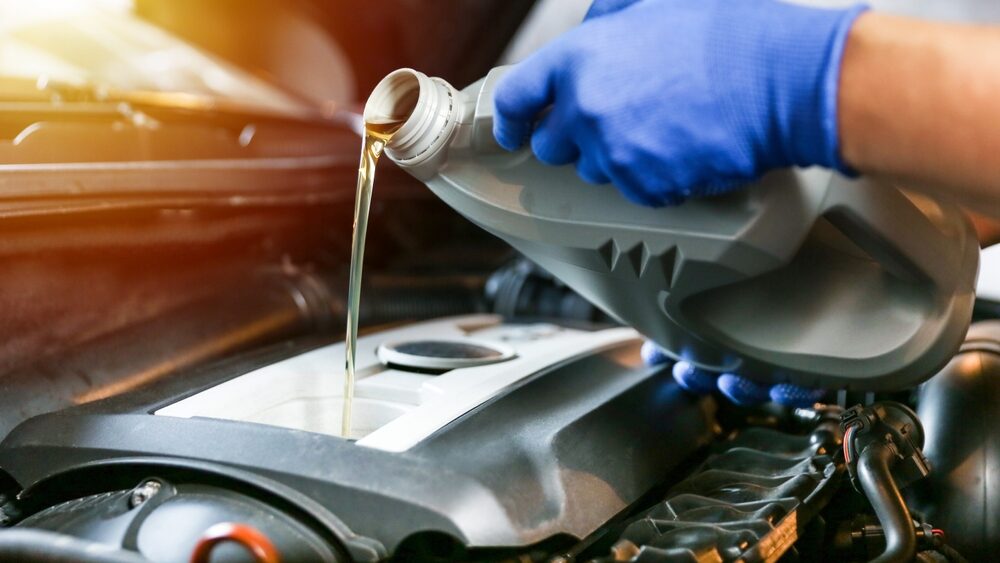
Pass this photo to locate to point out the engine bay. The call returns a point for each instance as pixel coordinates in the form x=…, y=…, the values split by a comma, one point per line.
x=573, y=451
x=494, y=457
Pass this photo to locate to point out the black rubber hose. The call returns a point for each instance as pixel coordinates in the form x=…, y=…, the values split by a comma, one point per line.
x=951, y=554
x=880, y=488
x=30, y=546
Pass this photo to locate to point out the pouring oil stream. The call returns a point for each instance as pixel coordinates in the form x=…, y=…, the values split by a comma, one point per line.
x=377, y=134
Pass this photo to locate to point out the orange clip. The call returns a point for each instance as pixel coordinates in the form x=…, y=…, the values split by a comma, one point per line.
x=252, y=539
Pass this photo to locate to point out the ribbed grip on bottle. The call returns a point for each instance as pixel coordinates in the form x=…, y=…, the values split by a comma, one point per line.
x=428, y=106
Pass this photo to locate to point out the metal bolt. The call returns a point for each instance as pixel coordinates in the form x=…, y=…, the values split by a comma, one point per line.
x=144, y=492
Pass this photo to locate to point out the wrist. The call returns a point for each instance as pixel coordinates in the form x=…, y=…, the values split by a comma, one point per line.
x=816, y=40
x=865, y=74
x=830, y=107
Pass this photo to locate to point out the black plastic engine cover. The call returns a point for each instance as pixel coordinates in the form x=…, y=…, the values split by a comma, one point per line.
x=960, y=409
x=167, y=524
x=599, y=432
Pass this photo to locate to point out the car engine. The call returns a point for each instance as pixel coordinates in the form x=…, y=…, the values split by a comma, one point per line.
x=544, y=441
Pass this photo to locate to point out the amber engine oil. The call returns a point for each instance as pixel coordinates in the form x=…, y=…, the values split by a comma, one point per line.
x=385, y=121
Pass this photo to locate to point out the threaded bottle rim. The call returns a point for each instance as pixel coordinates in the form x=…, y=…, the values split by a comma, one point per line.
x=427, y=107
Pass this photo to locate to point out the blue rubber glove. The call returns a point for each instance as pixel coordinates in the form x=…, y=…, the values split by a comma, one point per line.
x=599, y=8
x=670, y=99
x=740, y=390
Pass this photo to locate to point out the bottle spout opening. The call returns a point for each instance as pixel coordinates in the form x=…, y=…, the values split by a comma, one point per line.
x=394, y=98
x=427, y=107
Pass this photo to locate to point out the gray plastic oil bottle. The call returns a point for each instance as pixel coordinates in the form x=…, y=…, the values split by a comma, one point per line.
x=807, y=276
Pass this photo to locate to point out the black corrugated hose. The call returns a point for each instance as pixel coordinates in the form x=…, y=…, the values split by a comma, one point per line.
x=875, y=478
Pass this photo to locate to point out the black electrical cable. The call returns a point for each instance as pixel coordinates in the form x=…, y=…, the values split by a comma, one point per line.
x=876, y=480
x=30, y=546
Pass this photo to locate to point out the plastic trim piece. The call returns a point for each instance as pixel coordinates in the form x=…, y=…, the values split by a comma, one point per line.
x=392, y=353
x=747, y=503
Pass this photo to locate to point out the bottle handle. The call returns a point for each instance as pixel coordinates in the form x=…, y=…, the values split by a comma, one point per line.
x=892, y=230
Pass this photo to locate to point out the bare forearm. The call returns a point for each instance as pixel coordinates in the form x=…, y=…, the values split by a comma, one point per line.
x=919, y=103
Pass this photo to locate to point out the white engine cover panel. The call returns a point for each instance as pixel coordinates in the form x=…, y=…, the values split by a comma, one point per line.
x=393, y=409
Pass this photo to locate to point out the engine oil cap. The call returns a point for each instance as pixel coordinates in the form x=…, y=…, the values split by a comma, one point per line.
x=443, y=354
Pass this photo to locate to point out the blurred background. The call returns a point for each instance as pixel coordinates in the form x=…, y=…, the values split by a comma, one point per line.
x=177, y=182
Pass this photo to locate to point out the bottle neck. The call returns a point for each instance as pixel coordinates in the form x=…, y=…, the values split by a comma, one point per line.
x=428, y=108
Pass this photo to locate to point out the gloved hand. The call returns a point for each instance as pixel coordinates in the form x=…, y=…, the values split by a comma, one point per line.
x=669, y=99
x=739, y=390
